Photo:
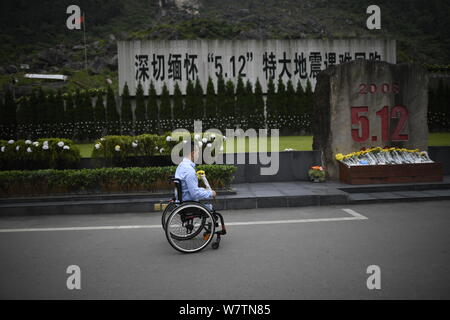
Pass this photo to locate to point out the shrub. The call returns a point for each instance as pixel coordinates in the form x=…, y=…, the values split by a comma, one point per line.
x=151, y=179
x=28, y=155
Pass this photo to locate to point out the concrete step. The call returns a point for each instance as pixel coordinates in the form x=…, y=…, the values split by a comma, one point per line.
x=399, y=196
x=142, y=205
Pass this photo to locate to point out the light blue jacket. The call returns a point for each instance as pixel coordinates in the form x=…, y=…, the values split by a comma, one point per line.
x=189, y=182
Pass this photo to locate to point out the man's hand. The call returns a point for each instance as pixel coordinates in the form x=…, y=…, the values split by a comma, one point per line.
x=214, y=194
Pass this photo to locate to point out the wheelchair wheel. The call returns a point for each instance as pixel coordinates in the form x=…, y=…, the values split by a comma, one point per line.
x=190, y=228
x=170, y=207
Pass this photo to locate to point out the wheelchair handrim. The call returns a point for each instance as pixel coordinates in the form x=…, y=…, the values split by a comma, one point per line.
x=171, y=239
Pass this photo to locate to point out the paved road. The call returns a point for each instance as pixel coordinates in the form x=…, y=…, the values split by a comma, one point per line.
x=323, y=254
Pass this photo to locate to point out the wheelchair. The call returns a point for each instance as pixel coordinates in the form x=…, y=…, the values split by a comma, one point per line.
x=190, y=226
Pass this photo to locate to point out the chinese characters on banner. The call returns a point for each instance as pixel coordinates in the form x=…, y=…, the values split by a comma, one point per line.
x=182, y=60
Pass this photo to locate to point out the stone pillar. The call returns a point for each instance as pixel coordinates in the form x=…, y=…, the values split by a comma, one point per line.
x=369, y=104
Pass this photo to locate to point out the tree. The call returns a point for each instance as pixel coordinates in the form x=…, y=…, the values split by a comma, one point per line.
x=258, y=114
x=249, y=107
x=290, y=107
x=259, y=99
x=41, y=107
x=211, y=101
x=88, y=110
x=23, y=111
x=308, y=98
x=165, y=111
x=190, y=101
x=51, y=107
x=33, y=106
x=271, y=103
x=112, y=115
x=59, y=105
x=221, y=94
x=69, y=114
x=78, y=112
x=99, y=110
x=299, y=99
x=126, y=112
x=139, y=113
x=10, y=116
x=2, y=113
x=199, y=107
x=177, y=102
x=229, y=106
x=152, y=108
x=240, y=99
x=281, y=98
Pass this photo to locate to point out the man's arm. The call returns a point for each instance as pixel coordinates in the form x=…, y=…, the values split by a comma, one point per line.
x=194, y=190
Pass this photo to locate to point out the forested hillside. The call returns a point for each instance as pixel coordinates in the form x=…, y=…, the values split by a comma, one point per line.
x=35, y=32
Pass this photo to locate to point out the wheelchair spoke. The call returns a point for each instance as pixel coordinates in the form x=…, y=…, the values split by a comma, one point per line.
x=190, y=228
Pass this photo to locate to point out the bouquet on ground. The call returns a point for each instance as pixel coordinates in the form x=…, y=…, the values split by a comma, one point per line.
x=382, y=156
x=317, y=174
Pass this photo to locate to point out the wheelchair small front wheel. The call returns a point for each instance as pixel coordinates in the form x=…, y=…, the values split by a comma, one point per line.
x=190, y=228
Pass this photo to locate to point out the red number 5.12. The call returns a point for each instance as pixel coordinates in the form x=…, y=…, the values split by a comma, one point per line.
x=361, y=134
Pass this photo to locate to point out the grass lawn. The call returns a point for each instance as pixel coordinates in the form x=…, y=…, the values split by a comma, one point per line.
x=300, y=143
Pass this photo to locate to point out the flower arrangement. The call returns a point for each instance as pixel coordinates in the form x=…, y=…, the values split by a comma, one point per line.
x=48, y=153
x=317, y=174
x=383, y=156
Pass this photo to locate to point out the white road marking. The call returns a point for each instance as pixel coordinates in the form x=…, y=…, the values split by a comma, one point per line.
x=354, y=216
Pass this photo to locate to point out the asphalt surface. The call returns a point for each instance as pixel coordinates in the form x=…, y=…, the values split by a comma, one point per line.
x=323, y=254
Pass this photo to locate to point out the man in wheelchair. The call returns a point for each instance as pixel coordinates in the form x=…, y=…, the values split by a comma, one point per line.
x=189, y=181
x=190, y=225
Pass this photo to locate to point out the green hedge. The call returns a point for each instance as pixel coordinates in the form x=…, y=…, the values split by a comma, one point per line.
x=45, y=182
x=40, y=154
x=143, y=145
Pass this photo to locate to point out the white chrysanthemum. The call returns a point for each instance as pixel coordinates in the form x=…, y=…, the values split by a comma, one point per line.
x=98, y=146
x=66, y=148
x=29, y=150
x=45, y=147
x=17, y=148
x=169, y=138
x=28, y=142
x=134, y=145
x=60, y=144
x=3, y=149
x=204, y=140
x=46, y=142
x=117, y=148
x=161, y=150
x=11, y=141
x=36, y=144
x=209, y=145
